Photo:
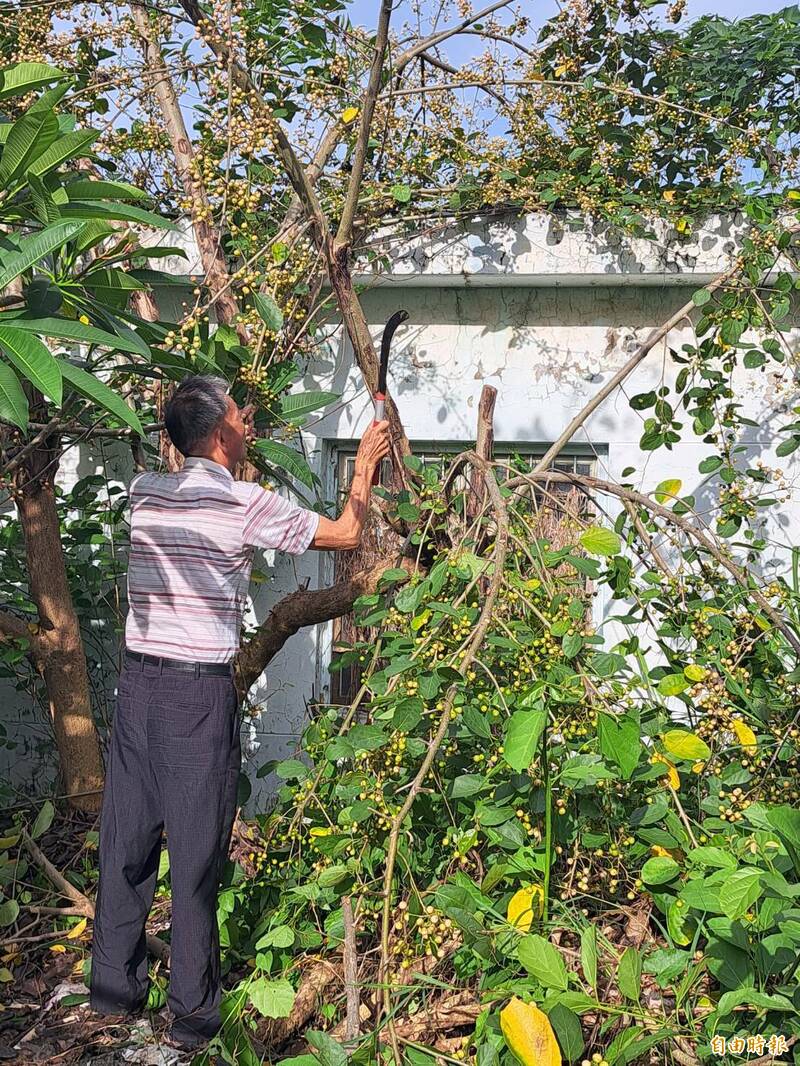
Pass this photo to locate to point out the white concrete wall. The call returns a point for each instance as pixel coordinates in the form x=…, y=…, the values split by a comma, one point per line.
x=545, y=315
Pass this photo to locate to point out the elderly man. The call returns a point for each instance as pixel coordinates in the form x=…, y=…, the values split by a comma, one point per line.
x=174, y=757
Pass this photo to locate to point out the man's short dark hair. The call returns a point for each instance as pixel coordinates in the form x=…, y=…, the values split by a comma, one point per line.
x=195, y=409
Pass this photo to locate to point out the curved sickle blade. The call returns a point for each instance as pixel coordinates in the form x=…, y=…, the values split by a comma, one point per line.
x=388, y=332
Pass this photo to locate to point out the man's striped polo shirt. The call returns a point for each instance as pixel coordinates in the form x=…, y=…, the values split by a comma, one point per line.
x=192, y=539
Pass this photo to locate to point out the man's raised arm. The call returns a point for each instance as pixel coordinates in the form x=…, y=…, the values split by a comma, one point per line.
x=345, y=532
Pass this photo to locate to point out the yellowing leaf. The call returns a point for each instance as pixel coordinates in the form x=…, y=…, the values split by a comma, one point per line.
x=9, y=841
x=682, y=225
x=77, y=930
x=561, y=69
x=529, y=1034
x=673, y=777
x=762, y=622
x=5, y=975
x=349, y=114
x=669, y=195
x=745, y=736
x=667, y=490
x=58, y=949
x=685, y=745
x=524, y=906
x=793, y=194
x=698, y=767
x=695, y=672
x=658, y=850
x=320, y=831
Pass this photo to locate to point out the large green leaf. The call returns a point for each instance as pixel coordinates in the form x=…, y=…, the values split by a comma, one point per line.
x=33, y=359
x=44, y=206
x=90, y=386
x=71, y=330
x=287, y=459
x=302, y=403
x=27, y=138
x=269, y=312
x=67, y=147
x=272, y=999
x=740, y=891
x=123, y=212
x=13, y=402
x=543, y=961
x=620, y=742
x=522, y=735
x=85, y=189
x=22, y=77
x=597, y=540
x=32, y=248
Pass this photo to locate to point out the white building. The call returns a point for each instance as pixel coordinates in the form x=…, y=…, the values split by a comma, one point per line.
x=546, y=315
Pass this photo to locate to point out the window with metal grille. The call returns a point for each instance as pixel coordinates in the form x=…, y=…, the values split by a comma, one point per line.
x=552, y=505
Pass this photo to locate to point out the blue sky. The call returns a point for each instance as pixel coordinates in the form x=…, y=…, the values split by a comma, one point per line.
x=364, y=12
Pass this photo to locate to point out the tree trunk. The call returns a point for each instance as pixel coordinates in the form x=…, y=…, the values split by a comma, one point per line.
x=63, y=662
x=207, y=235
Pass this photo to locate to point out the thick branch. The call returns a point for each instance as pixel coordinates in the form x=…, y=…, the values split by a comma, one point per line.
x=345, y=232
x=209, y=240
x=305, y=608
x=337, y=255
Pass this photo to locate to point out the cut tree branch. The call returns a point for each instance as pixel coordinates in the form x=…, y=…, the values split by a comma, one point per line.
x=306, y=608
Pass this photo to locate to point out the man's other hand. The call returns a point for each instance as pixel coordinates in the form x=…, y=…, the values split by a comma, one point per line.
x=373, y=447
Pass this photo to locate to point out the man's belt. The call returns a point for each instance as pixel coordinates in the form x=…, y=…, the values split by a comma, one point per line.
x=197, y=669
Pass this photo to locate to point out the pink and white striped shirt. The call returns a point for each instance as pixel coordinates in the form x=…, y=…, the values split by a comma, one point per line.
x=192, y=539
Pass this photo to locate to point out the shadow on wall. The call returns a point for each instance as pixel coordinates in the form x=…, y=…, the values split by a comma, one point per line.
x=562, y=341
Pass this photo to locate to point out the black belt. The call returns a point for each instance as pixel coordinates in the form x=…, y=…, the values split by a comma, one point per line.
x=180, y=664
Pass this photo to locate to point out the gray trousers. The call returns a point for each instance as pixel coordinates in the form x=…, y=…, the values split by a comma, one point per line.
x=173, y=765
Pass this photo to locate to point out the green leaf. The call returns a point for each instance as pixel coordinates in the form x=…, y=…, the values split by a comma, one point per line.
x=286, y=459
x=543, y=961
x=629, y=974
x=685, y=745
x=44, y=206
x=29, y=135
x=33, y=359
x=22, y=77
x=659, y=870
x=701, y=297
x=740, y=891
x=44, y=819
x=121, y=212
x=94, y=389
x=620, y=742
x=32, y=248
x=86, y=189
x=597, y=540
x=13, y=402
x=67, y=147
x=786, y=821
x=523, y=731
x=272, y=999
x=569, y=1034
x=69, y=329
x=302, y=403
x=589, y=955
x=401, y=193
x=329, y=1051
x=9, y=911
x=268, y=311
x=279, y=937
x=672, y=684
